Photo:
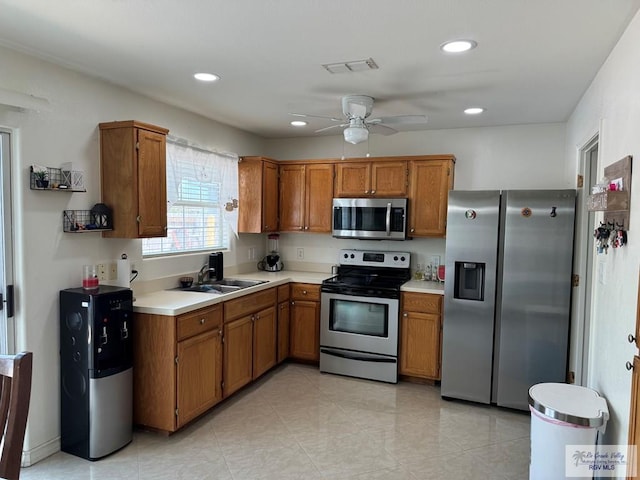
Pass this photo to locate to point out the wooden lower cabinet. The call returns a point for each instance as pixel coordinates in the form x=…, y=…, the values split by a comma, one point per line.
x=250, y=339
x=420, y=335
x=305, y=322
x=238, y=346
x=177, y=367
x=283, y=313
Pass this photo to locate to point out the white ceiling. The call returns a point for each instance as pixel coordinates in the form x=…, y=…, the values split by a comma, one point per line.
x=534, y=59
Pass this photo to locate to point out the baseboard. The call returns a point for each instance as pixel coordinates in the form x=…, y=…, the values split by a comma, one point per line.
x=30, y=457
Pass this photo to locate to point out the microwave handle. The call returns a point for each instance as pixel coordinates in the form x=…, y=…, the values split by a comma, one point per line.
x=388, y=219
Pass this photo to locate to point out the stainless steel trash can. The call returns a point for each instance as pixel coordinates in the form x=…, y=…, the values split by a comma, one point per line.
x=561, y=415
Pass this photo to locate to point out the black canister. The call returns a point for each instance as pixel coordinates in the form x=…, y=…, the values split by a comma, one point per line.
x=216, y=263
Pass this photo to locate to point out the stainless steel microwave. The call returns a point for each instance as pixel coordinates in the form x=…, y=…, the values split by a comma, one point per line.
x=370, y=218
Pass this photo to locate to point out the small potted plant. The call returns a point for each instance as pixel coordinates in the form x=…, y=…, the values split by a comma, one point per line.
x=41, y=174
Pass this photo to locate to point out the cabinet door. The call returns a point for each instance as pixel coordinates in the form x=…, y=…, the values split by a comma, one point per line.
x=152, y=185
x=250, y=201
x=305, y=330
x=283, y=331
x=264, y=341
x=238, y=346
x=292, y=198
x=389, y=179
x=430, y=182
x=269, y=197
x=199, y=375
x=319, y=198
x=420, y=345
x=353, y=179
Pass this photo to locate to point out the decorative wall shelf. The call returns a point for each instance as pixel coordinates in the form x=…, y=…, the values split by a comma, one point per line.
x=614, y=203
x=57, y=180
x=87, y=221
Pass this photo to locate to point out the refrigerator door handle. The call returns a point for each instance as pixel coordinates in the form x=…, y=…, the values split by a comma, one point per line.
x=388, y=219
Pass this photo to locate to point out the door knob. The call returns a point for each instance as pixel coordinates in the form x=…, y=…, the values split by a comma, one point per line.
x=631, y=338
x=629, y=366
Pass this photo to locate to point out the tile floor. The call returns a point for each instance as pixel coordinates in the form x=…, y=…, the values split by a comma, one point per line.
x=296, y=423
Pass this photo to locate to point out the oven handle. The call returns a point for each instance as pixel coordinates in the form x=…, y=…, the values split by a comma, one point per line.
x=353, y=356
x=388, y=219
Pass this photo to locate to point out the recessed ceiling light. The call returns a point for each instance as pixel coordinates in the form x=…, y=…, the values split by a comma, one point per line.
x=458, y=46
x=473, y=110
x=299, y=123
x=206, y=77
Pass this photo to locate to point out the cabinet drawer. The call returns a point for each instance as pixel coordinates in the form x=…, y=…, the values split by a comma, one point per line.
x=249, y=304
x=421, y=302
x=283, y=293
x=305, y=291
x=200, y=321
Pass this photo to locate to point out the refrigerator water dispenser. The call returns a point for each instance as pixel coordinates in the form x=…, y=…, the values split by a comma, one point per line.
x=469, y=281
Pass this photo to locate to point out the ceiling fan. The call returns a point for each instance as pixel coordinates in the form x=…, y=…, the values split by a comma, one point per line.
x=356, y=110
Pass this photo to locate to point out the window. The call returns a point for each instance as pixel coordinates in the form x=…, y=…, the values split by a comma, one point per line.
x=202, y=192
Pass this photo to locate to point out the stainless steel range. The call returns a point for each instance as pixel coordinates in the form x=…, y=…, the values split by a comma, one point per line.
x=359, y=315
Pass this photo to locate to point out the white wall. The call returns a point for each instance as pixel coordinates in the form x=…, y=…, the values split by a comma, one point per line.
x=48, y=260
x=611, y=106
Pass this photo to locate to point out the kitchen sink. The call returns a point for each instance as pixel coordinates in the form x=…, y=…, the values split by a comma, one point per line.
x=232, y=282
x=226, y=285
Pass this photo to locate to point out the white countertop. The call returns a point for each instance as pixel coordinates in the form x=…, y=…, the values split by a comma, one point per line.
x=420, y=286
x=177, y=302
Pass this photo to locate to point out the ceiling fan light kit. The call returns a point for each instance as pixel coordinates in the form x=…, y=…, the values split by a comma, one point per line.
x=355, y=135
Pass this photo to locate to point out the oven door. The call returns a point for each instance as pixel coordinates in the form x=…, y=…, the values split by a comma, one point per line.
x=359, y=324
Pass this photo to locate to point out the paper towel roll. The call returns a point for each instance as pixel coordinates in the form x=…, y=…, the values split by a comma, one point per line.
x=124, y=273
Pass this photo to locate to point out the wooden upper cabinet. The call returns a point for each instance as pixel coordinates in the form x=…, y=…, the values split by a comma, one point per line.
x=133, y=177
x=353, y=179
x=306, y=193
x=371, y=178
x=429, y=185
x=292, y=189
x=258, y=195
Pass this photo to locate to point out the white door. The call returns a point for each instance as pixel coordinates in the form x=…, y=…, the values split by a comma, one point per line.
x=7, y=335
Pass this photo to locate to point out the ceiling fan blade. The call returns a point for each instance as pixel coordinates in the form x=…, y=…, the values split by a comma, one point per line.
x=400, y=120
x=332, y=126
x=333, y=119
x=381, y=129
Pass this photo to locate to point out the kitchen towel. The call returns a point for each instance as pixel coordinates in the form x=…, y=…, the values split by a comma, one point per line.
x=124, y=272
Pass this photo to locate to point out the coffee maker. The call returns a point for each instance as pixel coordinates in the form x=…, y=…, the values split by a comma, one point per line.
x=272, y=262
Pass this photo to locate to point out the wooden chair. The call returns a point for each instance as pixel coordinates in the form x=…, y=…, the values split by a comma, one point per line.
x=15, y=375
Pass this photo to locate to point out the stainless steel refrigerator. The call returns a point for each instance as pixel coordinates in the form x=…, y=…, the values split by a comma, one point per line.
x=507, y=293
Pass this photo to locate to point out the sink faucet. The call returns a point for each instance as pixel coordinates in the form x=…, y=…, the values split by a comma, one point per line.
x=205, y=272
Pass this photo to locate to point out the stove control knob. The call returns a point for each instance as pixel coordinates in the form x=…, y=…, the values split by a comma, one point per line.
x=402, y=259
x=353, y=256
x=395, y=259
x=346, y=255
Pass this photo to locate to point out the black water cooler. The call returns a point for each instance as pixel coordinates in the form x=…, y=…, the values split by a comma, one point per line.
x=96, y=374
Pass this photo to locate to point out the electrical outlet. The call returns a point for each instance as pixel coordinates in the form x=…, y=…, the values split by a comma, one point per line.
x=113, y=271
x=102, y=272
x=300, y=253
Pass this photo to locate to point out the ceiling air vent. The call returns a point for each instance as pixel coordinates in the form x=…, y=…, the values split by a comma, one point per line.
x=354, y=66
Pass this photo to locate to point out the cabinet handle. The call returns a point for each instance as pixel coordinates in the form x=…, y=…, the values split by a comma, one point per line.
x=139, y=219
x=405, y=314
x=300, y=228
x=629, y=366
x=304, y=292
x=373, y=191
x=220, y=332
x=631, y=338
x=202, y=321
x=292, y=302
x=257, y=317
x=306, y=227
x=366, y=191
x=412, y=230
x=253, y=318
